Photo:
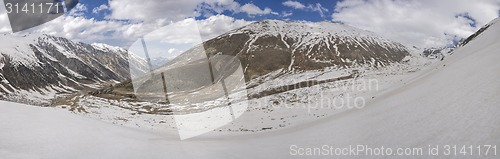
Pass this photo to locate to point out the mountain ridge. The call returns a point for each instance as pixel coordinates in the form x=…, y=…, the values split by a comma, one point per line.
x=47, y=65
x=292, y=46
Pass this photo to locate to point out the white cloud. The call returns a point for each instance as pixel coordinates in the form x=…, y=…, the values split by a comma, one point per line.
x=219, y=24
x=100, y=8
x=172, y=51
x=317, y=7
x=165, y=11
x=4, y=20
x=252, y=9
x=219, y=6
x=209, y=7
x=152, y=10
x=4, y=24
x=294, y=4
x=423, y=23
x=78, y=10
x=175, y=38
x=191, y=31
x=89, y=30
x=179, y=35
x=76, y=27
x=286, y=14
x=122, y=33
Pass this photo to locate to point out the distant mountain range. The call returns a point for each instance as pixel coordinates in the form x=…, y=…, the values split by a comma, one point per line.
x=50, y=65
x=44, y=65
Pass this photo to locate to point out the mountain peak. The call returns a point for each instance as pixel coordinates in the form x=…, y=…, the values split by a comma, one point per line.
x=288, y=46
x=304, y=28
x=107, y=48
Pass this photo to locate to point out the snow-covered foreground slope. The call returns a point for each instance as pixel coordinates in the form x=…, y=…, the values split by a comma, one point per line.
x=37, y=132
x=455, y=103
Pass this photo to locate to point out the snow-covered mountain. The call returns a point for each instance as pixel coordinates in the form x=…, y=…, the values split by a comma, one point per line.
x=288, y=46
x=43, y=65
x=275, y=48
x=276, y=56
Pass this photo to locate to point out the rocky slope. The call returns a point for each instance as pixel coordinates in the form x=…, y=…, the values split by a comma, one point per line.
x=273, y=45
x=43, y=65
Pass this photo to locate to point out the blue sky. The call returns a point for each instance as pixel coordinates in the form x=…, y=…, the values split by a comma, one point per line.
x=94, y=4
x=276, y=5
x=297, y=14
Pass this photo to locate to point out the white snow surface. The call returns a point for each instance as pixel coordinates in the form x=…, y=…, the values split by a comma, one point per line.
x=454, y=102
x=17, y=48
